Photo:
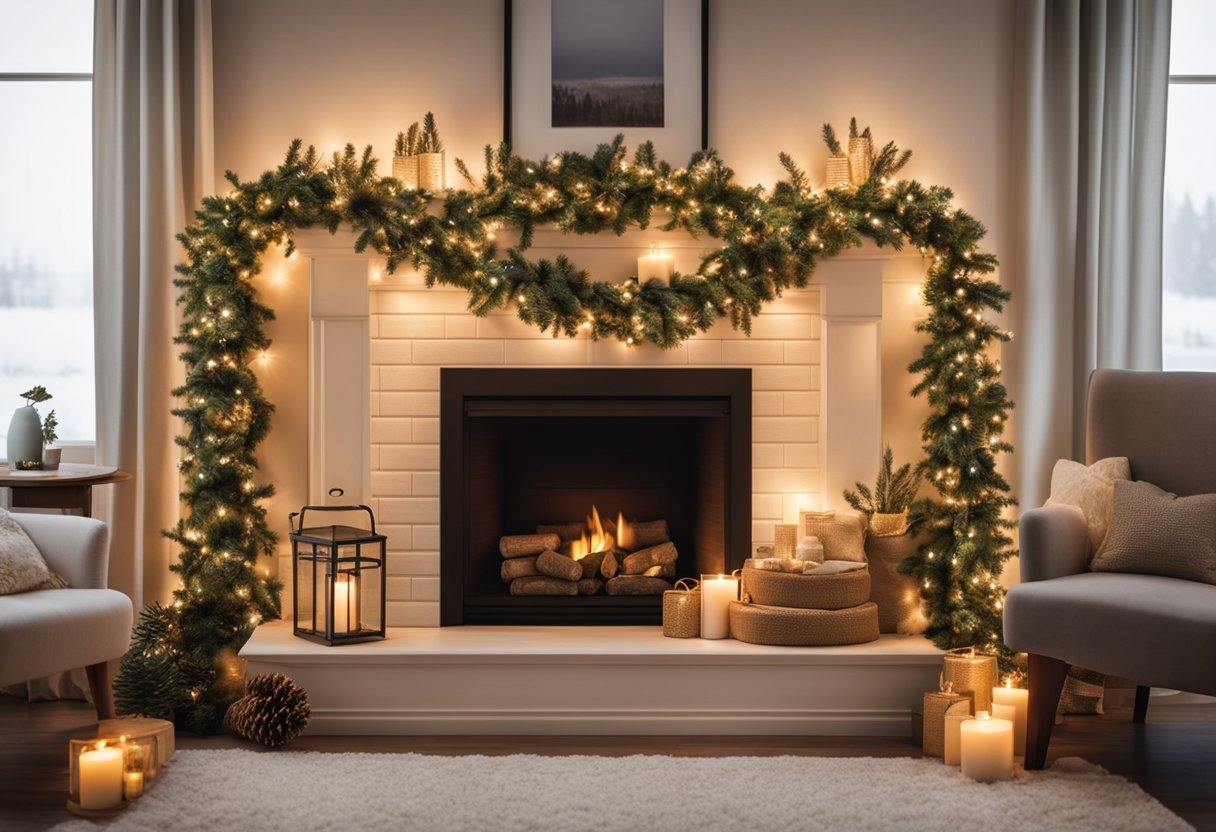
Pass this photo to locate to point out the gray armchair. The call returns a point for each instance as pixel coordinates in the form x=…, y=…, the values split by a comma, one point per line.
x=1153, y=630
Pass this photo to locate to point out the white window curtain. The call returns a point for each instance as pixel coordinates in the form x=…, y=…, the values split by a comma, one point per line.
x=1090, y=85
x=152, y=163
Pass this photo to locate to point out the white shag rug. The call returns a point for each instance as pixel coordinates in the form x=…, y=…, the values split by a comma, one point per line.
x=252, y=791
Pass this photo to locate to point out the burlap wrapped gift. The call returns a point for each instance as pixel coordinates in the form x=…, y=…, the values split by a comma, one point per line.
x=937, y=702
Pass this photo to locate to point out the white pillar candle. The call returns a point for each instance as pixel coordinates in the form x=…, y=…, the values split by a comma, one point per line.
x=986, y=748
x=954, y=724
x=656, y=266
x=101, y=777
x=717, y=591
x=1019, y=698
x=346, y=604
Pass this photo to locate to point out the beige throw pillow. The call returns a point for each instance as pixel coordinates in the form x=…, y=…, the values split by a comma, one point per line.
x=21, y=565
x=1089, y=488
x=1154, y=532
x=843, y=535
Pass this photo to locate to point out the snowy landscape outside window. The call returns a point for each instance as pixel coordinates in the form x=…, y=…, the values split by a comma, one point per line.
x=1189, y=257
x=46, y=213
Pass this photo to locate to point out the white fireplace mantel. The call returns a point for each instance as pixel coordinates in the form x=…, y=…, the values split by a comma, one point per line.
x=341, y=282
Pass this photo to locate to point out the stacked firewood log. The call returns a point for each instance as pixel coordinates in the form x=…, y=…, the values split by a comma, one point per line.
x=541, y=563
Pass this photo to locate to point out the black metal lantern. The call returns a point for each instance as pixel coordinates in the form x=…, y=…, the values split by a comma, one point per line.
x=339, y=578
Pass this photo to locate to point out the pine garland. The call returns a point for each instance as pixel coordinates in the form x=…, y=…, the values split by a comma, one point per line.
x=770, y=242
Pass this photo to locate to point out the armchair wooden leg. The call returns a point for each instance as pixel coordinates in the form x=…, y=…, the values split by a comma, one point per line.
x=1046, y=682
x=1141, y=709
x=99, y=686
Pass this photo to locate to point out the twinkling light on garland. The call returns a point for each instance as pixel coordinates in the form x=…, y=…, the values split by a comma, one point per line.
x=768, y=241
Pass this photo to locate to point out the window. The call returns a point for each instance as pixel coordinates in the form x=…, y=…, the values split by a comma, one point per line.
x=46, y=211
x=1189, y=257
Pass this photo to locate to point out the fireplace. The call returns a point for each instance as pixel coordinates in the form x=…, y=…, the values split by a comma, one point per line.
x=522, y=448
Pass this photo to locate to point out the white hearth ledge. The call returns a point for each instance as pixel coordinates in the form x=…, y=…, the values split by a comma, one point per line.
x=598, y=681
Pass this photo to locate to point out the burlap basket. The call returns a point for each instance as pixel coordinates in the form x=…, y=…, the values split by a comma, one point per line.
x=933, y=741
x=888, y=525
x=430, y=172
x=758, y=624
x=861, y=158
x=972, y=674
x=682, y=609
x=405, y=169
x=900, y=607
x=843, y=535
x=807, y=592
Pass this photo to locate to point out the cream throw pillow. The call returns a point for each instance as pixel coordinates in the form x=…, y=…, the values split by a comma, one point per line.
x=21, y=565
x=1089, y=488
x=843, y=535
x=1154, y=532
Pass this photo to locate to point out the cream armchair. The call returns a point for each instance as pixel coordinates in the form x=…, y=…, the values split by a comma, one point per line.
x=1150, y=629
x=85, y=625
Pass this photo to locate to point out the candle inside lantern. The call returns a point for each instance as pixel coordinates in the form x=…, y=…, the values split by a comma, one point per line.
x=132, y=784
x=717, y=591
x=1019, y=698
x=101, y=777
x=986, y=748
x=656, y=266
x=346, y=604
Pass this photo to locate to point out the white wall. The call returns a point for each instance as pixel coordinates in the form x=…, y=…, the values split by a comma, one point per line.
x=934, y=75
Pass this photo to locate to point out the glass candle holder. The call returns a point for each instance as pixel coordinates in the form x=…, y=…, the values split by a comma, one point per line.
x=140, y=765
x=95, y=773
x=717, y=591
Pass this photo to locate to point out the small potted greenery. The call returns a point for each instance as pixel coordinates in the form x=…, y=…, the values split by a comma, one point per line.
x=51, y=453
x=430, y=157
x=405, y=158
x=25, y=432
x=887, y=505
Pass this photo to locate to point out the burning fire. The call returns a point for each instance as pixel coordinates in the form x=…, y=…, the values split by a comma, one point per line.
x=596, y=538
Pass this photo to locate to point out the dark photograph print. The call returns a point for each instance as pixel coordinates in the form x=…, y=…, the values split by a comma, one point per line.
x=607, y=63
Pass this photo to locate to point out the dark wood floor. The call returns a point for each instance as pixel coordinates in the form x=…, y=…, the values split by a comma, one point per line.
x=1173, y=757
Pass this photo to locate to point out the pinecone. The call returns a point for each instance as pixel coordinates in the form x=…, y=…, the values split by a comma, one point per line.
x=273, y=711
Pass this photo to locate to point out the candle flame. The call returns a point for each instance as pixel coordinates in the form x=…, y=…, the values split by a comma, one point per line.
x=655, y=251
x=1008, y=681
x=983, y=715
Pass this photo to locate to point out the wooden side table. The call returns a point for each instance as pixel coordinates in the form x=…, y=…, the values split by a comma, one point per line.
x=71, y=487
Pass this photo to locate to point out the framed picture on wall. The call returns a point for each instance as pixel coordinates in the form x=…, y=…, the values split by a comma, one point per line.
x=578, y=72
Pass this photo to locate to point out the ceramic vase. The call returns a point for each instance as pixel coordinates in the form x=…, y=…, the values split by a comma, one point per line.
x=24, y=437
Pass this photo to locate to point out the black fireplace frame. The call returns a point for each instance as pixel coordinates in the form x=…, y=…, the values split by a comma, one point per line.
x=729, y=388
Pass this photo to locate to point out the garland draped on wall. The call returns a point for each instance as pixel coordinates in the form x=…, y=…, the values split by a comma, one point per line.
x=182, y=662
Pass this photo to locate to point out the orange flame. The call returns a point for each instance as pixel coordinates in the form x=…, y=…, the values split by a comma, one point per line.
x=596, y=538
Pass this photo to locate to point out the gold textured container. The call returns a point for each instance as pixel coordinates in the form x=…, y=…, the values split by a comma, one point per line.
x=837, y=174
x=861, y=158
x=682, y=610
x=933, y=741
x=430, y=172
x=405, y=170
x=785, y=538
x=972, y=674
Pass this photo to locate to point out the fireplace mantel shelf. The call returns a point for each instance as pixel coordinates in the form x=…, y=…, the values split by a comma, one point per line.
x=597, y=681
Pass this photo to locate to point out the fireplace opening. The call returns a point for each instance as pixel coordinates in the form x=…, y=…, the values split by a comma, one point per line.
x=524, y=451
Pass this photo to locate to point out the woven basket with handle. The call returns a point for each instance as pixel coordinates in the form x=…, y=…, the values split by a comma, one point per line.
x=682, y=609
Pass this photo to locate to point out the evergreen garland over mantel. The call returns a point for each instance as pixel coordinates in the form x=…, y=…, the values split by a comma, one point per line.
x=181, y=663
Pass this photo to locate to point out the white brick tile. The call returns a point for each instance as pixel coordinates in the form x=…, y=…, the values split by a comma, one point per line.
x=785, y=377
x=391, y=352
x=551, y=351
x=801, y=455
x=801, y=352
x=426, y=484
x=400, y=536
x=784, y=428
x=460, y=326
x=409, y=458
x=389, y=430
x=426, y=589
x=616, y=354
x=426, y=431
x=411, y=403
x=436, y=301
x=414, y=564
x=453, y=352
x=409, y=509
x=411, y=326
x=703, y=350
x=374, y=404
x=399, y=589
x=412, y=614
x=503, y=325
x=815, y=378
x=801, y=404
x=767, y=455
x=392, y=484
x=762, y=532
x=767, y=404
x=766, y=506
x=785, y=480
x=373, y=325
x=751, y=352
x=373, y=377
x=768, y=325
x=427, y=537
x=408, y=377
x=796, y=301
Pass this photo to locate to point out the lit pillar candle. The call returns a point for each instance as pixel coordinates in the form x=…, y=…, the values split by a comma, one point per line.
x=1019, y=698
x=132, y=784
x=656, y=266
x=986, y=748
x=717, y=591
x=346, y=604
x=101, y=777
x=954, y=724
